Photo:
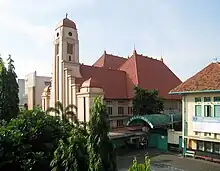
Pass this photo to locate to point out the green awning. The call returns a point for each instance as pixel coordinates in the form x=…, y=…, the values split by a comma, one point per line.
x=156, y=120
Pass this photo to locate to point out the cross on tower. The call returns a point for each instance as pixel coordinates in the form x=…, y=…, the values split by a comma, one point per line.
x=66, y=15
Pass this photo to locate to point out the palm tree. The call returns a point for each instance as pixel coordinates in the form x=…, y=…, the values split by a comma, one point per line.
x=65, y=113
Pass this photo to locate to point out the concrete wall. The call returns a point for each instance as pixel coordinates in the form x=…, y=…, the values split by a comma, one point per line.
x=21, y=94
x=173, y=136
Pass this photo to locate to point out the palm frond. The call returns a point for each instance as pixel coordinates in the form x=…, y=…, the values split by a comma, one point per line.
x=70, y=107
x=52, y=109
x=71, y=114
x=59, y=106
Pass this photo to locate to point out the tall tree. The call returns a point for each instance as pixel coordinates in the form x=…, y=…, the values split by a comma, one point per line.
x=147, y=102
x=13, y=89
x=65, y=113
x=102, y=156
x=4, y=108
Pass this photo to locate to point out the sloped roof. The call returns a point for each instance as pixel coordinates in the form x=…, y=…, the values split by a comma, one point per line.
x=207, y=79
x=109, y=61
x=149, y=73
x=92, y=83
x=138, y=70
x=113, y=82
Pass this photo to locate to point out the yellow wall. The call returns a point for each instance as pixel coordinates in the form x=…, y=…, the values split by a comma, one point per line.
x=190, y=111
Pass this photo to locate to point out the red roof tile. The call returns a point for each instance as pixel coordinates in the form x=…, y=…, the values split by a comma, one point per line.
x=207, y=79
x=109, y=61
x=150, y=74
x=112, y=81
x=138, y=70
x=92, y=83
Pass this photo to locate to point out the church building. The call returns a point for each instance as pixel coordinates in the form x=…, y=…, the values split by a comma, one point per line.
x=111, y=77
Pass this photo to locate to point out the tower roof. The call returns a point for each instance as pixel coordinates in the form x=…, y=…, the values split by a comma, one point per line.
x=66, y=23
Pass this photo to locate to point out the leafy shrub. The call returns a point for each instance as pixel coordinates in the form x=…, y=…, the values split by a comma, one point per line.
x=140, y=167
x=29, y=141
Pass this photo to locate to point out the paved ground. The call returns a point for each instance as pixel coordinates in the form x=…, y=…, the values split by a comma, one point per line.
x=166, y=162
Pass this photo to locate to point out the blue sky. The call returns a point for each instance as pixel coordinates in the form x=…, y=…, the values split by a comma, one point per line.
x=185, y=32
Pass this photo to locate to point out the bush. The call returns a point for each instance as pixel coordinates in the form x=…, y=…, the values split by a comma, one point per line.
x=29, y=141
x=140, y=167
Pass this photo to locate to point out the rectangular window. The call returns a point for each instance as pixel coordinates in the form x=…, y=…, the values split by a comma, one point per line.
x=207, y=99
x=216, y=110
x=121, y=102
x=207, y=134
x=130, y=110
x=198, y=99
x=119, y=123
x=57, y=48
x=208, y=146
x=216, y=148
x=109, y=102
x=198, y=110
x=217, y=99
x=121, y=110
x=69, y=48
x=200, y=145
x=109, y=110
x=207, y=110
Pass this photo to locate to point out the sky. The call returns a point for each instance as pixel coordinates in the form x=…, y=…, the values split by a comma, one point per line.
x=185, y=32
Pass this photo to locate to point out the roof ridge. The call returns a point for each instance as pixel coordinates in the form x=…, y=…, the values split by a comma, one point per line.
x=111, y=69
x=136, y=67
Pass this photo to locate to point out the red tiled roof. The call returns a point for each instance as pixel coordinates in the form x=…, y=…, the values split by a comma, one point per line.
x=149, y=73
x=138, y=70
x=207, y=79
x=91, y=82
x=109, y=61
x=112, y=81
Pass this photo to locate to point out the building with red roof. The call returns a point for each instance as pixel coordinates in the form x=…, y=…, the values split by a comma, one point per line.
x=201, y=113
x=111, y=77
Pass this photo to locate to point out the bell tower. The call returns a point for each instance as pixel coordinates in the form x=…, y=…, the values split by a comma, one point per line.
x=65, y=61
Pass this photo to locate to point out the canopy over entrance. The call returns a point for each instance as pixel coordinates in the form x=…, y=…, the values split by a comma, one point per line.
x=156, y=120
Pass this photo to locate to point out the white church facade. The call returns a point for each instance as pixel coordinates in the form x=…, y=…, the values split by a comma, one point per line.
x=111, y=77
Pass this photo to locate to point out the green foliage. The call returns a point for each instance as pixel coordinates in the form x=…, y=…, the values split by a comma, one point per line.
x=140, y=167
x=4, y=103
x=102, y=156
x=65, y=113
x=28, y=142
x=71, y=155
x=13, y=89
x=147, y=102
x=9, y=100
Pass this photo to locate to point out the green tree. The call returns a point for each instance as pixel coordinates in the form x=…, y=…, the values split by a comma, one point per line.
x=29, y=141
x=65, y=113
x=71, y=155
x=4, y=94
x=12, y=89
x=102, y=156
x=147, y=102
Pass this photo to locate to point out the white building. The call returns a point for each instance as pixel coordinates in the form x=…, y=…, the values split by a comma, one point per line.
x=31, y=88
